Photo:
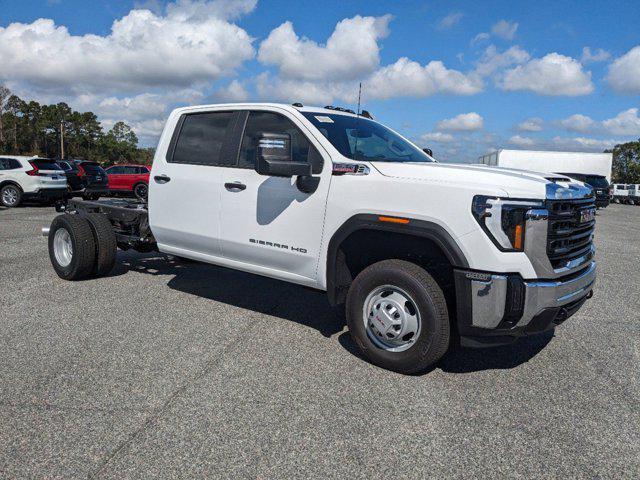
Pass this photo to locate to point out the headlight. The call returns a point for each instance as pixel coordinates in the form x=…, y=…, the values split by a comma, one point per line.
x=503, y=220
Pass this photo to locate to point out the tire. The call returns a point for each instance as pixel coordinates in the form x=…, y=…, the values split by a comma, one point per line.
x=79, y=262
x=426, y=302
x=10, y=196
x=141, y=191
x=106, y=244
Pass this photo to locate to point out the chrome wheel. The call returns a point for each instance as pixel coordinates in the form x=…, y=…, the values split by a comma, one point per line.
x=10, y=196
x=62, y=247
x=391, y=318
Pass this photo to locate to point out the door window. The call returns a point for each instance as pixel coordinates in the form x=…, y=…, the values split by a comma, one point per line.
x=269, y=122
x=115, y=170
x=130, y=170
x=201, y=139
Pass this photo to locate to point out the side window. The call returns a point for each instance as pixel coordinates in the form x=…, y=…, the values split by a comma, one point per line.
x=143, y=170
x=115, y=170
x=201, y=139
x=9, y=164
x=261, y=122
x=130, y=170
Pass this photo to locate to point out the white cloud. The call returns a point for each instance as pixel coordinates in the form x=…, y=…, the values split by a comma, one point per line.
x=351, y=51
x=468, y=122
x=625, y=123
x=437, y=137
x=598, y=55
x=553, y=74
x=481, y=37
x=624, y=72
x=408, y=78
x=578, y=123
x=233, y=92
x=450, y=20
x=533, y=124
x=521, y=141
x=584, y=143
x=504, y=29
x=491, y=60
x=192, y=42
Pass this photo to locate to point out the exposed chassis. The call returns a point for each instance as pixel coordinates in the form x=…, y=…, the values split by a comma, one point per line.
x=129, y=218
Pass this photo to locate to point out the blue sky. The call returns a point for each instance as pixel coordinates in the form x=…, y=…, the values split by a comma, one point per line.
x=461, y=77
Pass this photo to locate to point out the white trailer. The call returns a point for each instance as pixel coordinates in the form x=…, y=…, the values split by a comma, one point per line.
x=551, y=162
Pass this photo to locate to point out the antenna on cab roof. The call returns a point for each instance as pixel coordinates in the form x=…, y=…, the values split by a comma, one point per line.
x=355, y=149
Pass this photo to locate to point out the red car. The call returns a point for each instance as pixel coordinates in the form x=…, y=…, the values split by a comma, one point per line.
x=129, y=179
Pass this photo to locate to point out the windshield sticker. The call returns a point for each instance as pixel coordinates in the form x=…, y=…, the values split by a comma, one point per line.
x=323, y=119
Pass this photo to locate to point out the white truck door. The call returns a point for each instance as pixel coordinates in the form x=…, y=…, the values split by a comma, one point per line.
x=268, y=225
x=185, y=186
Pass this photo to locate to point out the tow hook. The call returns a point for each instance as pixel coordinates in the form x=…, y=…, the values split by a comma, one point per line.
x=590, y=294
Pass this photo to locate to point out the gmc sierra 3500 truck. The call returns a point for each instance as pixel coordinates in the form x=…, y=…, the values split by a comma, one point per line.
x=419, y=252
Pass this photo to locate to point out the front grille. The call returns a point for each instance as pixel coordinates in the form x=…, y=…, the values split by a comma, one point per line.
x=567, y=238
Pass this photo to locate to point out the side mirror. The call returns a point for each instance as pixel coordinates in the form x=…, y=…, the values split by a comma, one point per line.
x=274, y=158
x=428, y=151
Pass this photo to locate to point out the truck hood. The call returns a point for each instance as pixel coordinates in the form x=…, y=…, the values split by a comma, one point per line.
x=515, y=183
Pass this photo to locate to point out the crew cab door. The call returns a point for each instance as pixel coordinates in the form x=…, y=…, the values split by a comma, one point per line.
x=185, y=185
x=268, y=225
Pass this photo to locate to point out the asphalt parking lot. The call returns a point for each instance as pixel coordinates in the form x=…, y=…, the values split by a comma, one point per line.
x=172, y=370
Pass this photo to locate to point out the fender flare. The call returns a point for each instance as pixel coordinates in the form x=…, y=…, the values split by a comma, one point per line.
x=419, y=228
x=11, y=182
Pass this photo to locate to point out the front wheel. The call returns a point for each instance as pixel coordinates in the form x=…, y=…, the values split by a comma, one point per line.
x=397, y=315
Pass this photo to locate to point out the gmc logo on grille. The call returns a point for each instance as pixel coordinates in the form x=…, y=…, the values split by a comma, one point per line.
x=587, y=215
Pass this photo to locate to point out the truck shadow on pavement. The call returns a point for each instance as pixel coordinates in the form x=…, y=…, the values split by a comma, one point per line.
x=304, y=306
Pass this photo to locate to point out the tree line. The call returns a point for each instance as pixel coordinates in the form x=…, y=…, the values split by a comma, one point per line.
x=57, y=131
x=626, y=162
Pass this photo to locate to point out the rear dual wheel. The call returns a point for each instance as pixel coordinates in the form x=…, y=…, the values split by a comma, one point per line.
x=397, y=315
x=82, y=246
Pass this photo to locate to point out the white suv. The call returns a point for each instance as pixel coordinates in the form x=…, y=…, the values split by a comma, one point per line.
x=25, y=178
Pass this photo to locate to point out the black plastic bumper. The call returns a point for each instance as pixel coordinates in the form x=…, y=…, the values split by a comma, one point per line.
x=46, y=194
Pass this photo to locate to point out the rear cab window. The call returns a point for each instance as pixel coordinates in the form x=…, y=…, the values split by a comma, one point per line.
x=201, y=137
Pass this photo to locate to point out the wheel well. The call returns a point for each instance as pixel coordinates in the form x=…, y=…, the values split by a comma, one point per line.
x=11, y=182
x=365, y=247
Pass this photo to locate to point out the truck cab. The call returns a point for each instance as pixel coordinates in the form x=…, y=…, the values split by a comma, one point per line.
x=419, y=253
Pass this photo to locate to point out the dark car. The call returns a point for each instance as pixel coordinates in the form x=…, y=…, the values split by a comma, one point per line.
x=86, y=179
x=599, y=184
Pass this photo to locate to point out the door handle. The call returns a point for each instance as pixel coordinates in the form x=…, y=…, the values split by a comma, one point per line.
x=161, y=178
x=235, y=186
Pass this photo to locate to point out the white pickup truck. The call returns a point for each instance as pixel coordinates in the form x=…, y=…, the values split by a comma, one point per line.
x=420, y=253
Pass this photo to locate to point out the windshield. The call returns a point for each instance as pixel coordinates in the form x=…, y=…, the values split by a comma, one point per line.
x=597, y=181
x=359, y=138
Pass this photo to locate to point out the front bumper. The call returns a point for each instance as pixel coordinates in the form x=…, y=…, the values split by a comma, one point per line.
x=495, y=309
